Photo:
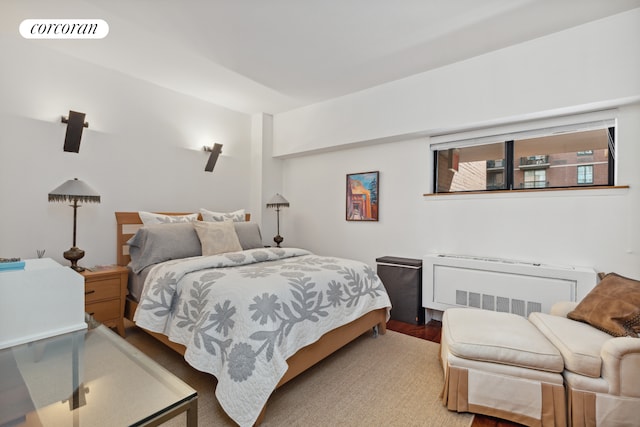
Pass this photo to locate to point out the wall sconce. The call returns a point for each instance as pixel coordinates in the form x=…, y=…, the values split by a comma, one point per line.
x=213, y=157
x=75, y=124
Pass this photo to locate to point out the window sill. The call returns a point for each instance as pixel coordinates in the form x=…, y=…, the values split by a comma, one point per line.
x=586, y=191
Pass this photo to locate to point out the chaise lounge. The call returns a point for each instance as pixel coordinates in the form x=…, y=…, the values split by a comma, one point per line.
x=502, y=365
x=601, y=352
x=499, y=364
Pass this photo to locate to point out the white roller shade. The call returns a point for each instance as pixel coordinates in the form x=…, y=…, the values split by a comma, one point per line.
x=527, y=130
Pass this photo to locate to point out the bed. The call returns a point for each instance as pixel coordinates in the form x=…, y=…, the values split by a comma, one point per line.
x=277, y=311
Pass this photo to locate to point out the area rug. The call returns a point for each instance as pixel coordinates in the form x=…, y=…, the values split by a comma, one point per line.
x=392, y=380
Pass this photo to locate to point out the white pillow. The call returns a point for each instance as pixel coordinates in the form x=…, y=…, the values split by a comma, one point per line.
x=235, y=216
x=150, y=218
x=217, y=237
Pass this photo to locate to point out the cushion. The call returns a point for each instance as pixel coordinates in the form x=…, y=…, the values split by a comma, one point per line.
x=236, y=216
x=248, y=235
x=217, y=237
x=579, y=343
x=163, y=242
x=497, y=337
x=150, y=218
x=613, y=306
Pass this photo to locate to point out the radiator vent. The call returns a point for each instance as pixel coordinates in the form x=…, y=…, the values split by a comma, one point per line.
x=497, y=303
x=500, y=285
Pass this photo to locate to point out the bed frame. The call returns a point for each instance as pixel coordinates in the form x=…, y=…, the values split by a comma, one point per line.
x=306, y=357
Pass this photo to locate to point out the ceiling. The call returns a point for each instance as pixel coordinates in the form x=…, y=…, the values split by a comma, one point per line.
x=275, y=55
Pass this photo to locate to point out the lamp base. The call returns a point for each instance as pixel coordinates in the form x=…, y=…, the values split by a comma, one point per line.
x=73, y=255
x=278, y=239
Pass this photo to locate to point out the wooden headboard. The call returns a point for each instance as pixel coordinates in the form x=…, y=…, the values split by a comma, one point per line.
x=129, y=223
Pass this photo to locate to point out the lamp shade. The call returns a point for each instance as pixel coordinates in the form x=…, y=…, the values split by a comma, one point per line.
x=74, y=190
x=278, y=201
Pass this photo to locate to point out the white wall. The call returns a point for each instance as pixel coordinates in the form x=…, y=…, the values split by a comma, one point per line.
x=135, y=153
x=589, y=228
x=589, y=67
x=139, y=152
x=266, y=172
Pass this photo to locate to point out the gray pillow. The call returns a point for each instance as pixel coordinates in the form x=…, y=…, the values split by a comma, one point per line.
x=163, y=242
x=249, y=235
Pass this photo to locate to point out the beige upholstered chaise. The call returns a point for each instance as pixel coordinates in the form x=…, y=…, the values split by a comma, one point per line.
x=598, y=340
x=601, y=372
x=499, y=364
x=504, y=365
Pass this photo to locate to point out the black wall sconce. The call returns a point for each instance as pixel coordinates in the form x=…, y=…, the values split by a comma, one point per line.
x=213, y=157
x=75, y=124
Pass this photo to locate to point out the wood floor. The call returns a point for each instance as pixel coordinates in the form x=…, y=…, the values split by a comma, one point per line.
x=431, y=332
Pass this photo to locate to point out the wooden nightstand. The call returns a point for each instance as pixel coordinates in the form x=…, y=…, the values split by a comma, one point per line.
x=105, y=291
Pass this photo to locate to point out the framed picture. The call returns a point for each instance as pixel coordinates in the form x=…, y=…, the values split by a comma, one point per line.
x=362, y=196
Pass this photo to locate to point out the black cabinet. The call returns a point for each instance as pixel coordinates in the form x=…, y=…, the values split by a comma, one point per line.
x=402, y=277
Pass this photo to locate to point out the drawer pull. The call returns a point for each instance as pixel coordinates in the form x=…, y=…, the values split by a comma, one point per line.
x=89, y=292
x=92, y=313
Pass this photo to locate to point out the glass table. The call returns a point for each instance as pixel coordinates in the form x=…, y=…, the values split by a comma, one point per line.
x=89, y=378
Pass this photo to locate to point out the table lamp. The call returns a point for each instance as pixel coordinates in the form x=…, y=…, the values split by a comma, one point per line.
x=74, y=191
x=278, y=202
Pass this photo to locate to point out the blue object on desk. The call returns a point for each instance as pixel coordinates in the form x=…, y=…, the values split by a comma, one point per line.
x=15, y=265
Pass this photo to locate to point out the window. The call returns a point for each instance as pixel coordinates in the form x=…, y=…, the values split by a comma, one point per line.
x=472, y=168
x=554, y=157
x=585, y=174
x=535, y=179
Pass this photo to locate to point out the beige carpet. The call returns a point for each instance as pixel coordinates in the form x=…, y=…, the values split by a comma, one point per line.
x=394, y=380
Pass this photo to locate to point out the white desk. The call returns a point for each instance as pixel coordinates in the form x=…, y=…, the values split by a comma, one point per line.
x=43, y=300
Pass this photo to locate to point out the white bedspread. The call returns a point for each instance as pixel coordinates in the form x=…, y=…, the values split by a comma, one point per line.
x=242, y=314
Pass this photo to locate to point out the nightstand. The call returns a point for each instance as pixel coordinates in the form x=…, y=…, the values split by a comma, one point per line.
x=105, y=291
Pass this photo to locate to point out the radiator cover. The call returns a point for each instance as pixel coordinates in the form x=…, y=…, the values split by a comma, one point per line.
x=500, y=285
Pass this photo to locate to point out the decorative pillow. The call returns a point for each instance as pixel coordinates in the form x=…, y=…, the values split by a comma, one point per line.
x=613, y=306
x=235, y=216
x=248, y=235
x=150, y=218
x=162, y=242
x=217, y=237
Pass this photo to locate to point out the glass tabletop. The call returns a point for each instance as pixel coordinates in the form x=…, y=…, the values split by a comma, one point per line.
x=87, y=378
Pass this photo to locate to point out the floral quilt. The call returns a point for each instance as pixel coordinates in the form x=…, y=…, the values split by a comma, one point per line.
x=242, y=314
